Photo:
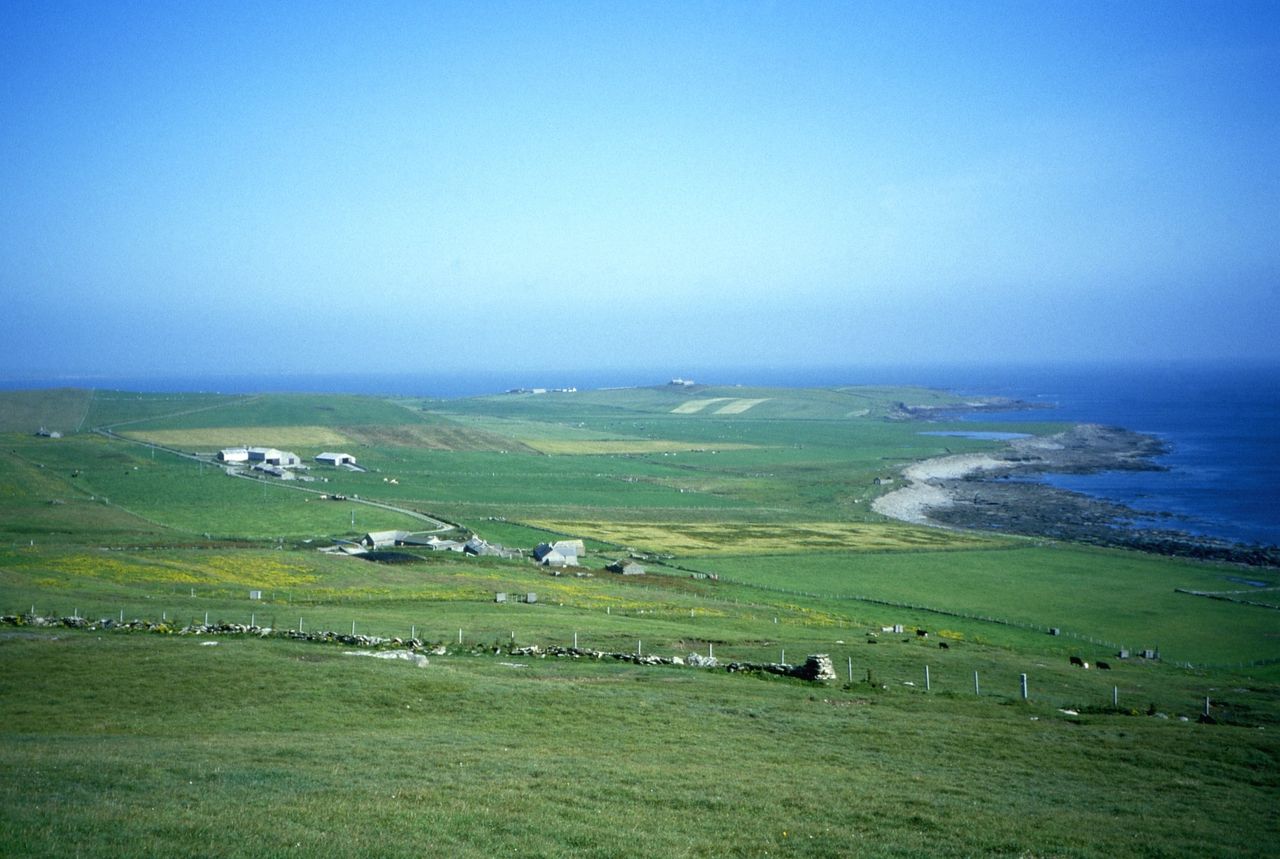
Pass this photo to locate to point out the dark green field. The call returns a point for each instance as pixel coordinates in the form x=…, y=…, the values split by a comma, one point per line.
x=752, y=507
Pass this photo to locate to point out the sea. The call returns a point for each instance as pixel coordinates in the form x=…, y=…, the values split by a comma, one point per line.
x=1220, y=421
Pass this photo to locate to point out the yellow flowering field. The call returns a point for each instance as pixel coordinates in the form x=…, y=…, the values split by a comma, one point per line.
x=703, y=538
x=241, y=568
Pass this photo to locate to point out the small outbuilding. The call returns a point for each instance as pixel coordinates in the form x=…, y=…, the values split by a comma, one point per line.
x=626, y=568
x=233, y=454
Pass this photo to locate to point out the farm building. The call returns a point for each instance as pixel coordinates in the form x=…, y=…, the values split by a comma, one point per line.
x=481, y=548
x=383, y=539
x=626, y=568
x=274, y=471
x=336, y=459
x=428, y=541
x=233, y=454
x=272, y=456
x=563, y=553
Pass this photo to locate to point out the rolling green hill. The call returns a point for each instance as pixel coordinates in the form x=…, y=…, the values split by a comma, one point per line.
x=750, y=510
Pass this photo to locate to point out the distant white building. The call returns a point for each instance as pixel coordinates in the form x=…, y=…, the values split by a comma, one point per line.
x=233, y=454
x=336, y=459
x=272, y=456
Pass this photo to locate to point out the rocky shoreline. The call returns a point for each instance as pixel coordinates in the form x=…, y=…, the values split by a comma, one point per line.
x=998, y=491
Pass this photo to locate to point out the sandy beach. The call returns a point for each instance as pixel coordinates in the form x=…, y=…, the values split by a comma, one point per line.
x=934, y=484
x=913, y=501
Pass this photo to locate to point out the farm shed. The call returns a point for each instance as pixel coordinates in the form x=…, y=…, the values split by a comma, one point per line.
x=336, y=459
x=272, y=456
x=626, y=568
x=382, y=539
x=233, y=454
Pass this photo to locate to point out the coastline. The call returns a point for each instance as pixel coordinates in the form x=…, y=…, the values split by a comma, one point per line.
x=998, y=491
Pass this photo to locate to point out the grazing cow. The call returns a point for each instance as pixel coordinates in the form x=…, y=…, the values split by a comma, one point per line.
x=922, y=633
x=872, y=641
x=943, y=645
x=1076, y=660
x=1103, y=666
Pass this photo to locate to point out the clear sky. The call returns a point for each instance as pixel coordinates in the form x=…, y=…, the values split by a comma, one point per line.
x=410, y=186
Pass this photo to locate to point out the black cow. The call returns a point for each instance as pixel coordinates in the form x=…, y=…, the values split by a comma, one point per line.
x=922, y=633
x=1103, y=666
x=943, y=645
x=1076, y=660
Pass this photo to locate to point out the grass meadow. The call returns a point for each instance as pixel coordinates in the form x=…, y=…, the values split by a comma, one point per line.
x=761, y=548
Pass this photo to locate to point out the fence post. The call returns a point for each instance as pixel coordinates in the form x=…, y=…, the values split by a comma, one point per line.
x=1115, y=697
x=1024, y=686
x=850, y=669
x=976, y=689
x=927, y=687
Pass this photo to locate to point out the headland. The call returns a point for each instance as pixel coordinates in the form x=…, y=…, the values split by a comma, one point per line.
x=998, y=491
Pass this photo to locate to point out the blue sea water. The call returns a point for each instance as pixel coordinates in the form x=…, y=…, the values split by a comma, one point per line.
x=1221, y=422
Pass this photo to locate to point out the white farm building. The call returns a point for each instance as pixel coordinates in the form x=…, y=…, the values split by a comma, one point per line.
x=336, y=459
x=272, y=456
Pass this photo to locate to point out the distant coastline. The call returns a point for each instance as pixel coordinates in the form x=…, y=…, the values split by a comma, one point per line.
x=989, y=491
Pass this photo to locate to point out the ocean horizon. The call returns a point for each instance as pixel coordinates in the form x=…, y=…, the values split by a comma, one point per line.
x=1221, y=421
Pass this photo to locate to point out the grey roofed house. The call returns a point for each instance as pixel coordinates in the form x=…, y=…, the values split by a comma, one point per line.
x=558, y=555
x=576, y=547
x=626, y=568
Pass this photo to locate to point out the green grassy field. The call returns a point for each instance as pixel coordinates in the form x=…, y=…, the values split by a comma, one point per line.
x=752, y=507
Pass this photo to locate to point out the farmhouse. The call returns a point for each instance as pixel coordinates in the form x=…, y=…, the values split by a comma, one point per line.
x=626, y=568
x=563, y=553
x=336, y=459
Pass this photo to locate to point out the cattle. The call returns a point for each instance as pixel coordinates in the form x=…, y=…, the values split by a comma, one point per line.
x=872, y=641
x=943, y=645
x=1076, y=660
x=1103, y=666
x=922, y=633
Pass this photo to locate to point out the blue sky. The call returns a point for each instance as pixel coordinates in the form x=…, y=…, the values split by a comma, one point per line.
x=279, y=187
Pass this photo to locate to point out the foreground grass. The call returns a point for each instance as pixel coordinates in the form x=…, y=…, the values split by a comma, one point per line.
x=269, y=748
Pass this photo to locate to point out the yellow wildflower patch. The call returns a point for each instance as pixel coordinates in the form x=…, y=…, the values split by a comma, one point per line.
x=247, y=568
x=731, y=538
